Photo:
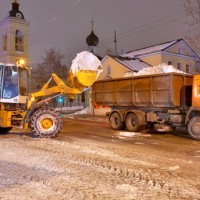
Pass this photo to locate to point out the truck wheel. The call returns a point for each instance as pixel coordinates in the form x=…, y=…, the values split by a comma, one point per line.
x=194, y=128
x=132, y=123
x=115, y=121
x=46, y=123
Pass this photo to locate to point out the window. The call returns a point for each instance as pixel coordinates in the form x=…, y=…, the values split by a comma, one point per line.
x=108, y=70
x=180, y=51
x=19, y=43
x=4, y=42
x=187, y=69
x=169, y=63
x=179, y=67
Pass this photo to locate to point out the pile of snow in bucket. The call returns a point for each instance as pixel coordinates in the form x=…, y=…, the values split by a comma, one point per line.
x=163, y=68
x=86, y=61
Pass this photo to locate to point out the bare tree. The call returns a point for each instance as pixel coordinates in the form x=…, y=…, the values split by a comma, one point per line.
x=51, y=63
x=192, y=8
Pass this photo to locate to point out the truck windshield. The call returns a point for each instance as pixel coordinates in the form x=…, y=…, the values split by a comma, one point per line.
x=10, y=82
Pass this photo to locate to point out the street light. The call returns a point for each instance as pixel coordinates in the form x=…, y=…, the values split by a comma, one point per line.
x=20, y=61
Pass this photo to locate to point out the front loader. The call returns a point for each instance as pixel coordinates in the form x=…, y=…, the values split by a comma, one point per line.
x=21, y=109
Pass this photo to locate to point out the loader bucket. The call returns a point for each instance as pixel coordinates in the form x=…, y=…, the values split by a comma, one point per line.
x=84, y=71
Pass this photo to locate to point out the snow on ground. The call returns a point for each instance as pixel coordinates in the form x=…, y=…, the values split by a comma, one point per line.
x=133, y=134
x=163, y=68
x=87, y=110
x=75, y=110
x=83, y=114
x=68, y=110
x=174, y=168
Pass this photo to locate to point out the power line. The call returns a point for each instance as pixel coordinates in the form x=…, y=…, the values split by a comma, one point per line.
x=136, y=30
x=148, y=26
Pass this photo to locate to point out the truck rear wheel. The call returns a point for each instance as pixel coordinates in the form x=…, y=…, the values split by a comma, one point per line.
x=132, y=123
x=46, y=123
x=115, y=121
x=194, y=128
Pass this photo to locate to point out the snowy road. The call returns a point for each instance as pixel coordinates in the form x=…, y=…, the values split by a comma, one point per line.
x=90, y=161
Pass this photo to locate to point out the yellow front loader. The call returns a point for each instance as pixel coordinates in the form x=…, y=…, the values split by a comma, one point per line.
x=19, y=108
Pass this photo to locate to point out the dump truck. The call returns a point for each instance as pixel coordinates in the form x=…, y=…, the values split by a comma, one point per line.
x=22, y=109
x=160, y=101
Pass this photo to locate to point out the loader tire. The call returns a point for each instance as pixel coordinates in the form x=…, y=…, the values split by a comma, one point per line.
x=46, y=123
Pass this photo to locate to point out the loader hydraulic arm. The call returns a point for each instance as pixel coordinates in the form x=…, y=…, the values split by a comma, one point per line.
x=60, y=88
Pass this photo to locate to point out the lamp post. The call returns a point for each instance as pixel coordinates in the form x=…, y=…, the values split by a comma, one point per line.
x=20, y=61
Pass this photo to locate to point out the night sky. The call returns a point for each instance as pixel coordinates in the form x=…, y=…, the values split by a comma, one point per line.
x=65, y=24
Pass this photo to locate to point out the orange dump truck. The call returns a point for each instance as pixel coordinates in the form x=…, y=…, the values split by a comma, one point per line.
x=163, y=101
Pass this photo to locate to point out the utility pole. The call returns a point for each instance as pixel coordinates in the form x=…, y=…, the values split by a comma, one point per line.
x=116, y=54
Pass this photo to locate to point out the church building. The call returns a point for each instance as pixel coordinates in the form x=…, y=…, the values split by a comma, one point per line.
x=92, y=41
x=14, y=32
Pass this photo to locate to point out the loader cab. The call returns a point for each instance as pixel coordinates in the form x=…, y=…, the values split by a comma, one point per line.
x=13, y=84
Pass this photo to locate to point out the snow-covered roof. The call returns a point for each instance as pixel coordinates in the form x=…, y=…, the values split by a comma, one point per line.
x=151, y=49
x=133, y=65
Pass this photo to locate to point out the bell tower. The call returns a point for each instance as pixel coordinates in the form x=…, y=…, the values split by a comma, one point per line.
x=14, y=36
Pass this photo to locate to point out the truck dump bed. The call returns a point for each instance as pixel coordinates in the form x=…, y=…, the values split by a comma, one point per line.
x=159, y=90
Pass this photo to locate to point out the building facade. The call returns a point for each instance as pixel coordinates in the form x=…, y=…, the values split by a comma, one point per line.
x=176, y=53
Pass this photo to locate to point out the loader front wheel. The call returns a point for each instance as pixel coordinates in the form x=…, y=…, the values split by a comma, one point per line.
x=46, y=123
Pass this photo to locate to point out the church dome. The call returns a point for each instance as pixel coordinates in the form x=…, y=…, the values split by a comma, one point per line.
x=15, y=12
x=92, y=39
